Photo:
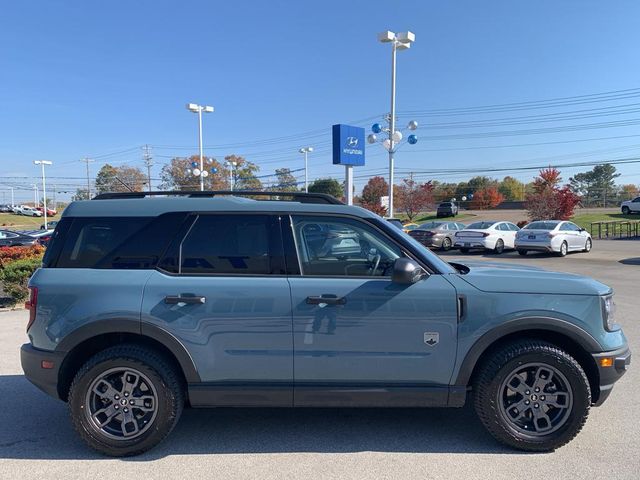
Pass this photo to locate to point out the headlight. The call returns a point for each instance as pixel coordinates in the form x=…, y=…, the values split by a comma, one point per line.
x=608, y=313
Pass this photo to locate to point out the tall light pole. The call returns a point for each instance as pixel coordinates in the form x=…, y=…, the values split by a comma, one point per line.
x=400, y=41
x=195, y=108
x=42, y=163
x=306, y=151
x=231, y=166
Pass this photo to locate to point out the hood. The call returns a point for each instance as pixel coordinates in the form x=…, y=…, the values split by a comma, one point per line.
x=506, y=278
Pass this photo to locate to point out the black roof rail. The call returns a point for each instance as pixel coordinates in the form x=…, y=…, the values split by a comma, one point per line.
x=301, y=197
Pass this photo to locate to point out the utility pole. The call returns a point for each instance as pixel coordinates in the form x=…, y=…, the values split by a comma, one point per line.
x=88, y=161
x=148, y=162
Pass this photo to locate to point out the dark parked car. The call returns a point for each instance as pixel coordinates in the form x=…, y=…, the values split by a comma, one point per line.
x=447, y=209
x=437, y=234
x=396, y=222
x=51, y=225
x=6, y=209
x=16, y=239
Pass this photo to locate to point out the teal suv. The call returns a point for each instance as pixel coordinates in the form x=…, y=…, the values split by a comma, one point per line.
x=147, y=303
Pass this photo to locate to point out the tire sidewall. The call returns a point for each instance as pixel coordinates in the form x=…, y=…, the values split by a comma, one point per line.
x=577, y=383
x=162, y=424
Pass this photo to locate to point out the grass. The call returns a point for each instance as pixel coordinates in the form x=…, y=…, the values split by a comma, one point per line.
x=20, y=222
x=584, y=220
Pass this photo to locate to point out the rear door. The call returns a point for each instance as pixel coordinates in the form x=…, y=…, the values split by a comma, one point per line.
x=359, y=338
x=221, y=290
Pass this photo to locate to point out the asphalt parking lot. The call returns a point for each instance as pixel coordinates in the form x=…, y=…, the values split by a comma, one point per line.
x=37, y=441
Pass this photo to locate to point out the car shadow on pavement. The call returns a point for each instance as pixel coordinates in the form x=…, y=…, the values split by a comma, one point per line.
x=38, y=427
x=630, y=261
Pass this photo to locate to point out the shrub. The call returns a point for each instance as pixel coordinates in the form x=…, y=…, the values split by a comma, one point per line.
x=15, y=276
x=10, y=254
x=522, y=223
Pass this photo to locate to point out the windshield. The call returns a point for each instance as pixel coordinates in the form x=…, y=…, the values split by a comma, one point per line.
x=446, y=204
x=541, y=226
x=430, y=225
x=480, y=225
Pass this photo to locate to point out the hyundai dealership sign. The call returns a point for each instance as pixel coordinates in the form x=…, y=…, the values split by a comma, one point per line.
x=348, y=145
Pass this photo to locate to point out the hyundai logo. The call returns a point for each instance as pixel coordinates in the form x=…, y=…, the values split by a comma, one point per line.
x=352, y=142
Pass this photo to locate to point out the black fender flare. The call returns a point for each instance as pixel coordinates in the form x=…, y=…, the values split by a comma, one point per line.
x=553, y=325
x=136, y=327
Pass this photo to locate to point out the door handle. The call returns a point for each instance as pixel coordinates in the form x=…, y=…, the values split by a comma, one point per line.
x=326, y=299
x=193, y=300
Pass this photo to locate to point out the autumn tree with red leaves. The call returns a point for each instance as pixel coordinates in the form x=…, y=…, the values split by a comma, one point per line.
x=486, y=198
x=375, y=188
x=412, y=197
x=549, y=201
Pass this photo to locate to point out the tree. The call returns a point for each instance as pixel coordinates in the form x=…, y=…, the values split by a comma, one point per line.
x=549, y=201
x=177, y=175
x=329, y=186
x=375, y=188
x=286, y=181
x=486, y=198
x=596, y=186
x=412, y=198
x=81, y=194
x=512, y=189
x=444, y=192
x=117, y=179
x=244, y=173
x=628, y=192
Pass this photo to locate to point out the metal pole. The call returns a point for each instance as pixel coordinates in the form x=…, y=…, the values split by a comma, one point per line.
x=200, y=143
x=348, y=184
x=392, y=125
x=231, y=177
x=44, y=196
x=306, y=178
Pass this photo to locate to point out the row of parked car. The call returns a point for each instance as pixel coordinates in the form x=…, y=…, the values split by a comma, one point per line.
x=26, y=238
x=27, y=211
x=555, y=236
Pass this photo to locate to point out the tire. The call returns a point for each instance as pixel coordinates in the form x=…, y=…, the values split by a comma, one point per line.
x=157, y=390
x=564, y=249
x=496, y=400
x=464, y=250
x=446, y=244
x=587, y=245
x=522, y=252
x=499, y=248
x=626, y=210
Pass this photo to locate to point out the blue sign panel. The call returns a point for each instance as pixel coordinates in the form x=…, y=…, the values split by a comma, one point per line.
x=348, y=145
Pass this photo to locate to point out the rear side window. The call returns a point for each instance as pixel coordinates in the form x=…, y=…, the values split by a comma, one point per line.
x=116, y=242
x=226, y=244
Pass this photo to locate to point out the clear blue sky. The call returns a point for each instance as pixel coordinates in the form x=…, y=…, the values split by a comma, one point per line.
x=85, y=78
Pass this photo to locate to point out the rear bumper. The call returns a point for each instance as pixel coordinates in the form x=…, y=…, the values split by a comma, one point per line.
x=536, y=246
x=472, y=244
x=46, y=379
x=610, y=375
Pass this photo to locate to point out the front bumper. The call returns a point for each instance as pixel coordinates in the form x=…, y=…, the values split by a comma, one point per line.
x=621, y=359
x=46, y=379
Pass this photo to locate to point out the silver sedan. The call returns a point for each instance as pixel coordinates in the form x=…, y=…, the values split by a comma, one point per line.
x=556, y=236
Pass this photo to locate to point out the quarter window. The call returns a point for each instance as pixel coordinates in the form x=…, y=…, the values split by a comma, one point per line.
x=336, y=246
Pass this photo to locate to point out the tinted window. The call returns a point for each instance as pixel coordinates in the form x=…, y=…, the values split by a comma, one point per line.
x=481, y=225
x=90, y=240
x=221, y=244
x=541, y=225
x=335, y=246
x=513, y=227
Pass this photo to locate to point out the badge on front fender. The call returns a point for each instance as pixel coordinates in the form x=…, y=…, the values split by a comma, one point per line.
x=431, y=338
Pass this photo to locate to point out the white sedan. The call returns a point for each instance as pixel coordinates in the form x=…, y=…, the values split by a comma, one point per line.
x=495, y=236
x=556, y=236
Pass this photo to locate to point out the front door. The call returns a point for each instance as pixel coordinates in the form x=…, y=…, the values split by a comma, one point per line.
x=223, y=293
x=359, y=338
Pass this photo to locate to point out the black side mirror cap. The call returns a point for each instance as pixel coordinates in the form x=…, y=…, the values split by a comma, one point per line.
x=406, y=271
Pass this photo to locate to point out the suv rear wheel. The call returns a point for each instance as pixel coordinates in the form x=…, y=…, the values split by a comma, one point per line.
x=125, y=400
x=532, y=396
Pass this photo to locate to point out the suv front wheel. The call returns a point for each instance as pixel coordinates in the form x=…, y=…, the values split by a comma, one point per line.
x=125, y=400
x=533, y=396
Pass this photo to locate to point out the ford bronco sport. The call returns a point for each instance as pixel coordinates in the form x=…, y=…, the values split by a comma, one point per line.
x=149, y=302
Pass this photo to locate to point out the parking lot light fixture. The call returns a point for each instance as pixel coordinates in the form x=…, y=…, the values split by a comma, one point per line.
x=195, y=108
x=42, y=163
x=306, y=151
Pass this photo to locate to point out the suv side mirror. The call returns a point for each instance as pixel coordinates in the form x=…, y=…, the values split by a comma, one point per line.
x=406, y=271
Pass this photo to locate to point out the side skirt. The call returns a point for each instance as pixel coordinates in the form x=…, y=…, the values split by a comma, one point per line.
x=324, y=395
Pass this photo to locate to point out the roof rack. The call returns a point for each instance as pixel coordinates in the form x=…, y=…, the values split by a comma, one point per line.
x=301, y=197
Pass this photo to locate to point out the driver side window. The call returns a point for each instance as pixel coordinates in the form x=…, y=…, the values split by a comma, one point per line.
x=340, y=246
